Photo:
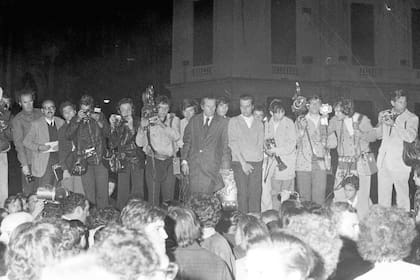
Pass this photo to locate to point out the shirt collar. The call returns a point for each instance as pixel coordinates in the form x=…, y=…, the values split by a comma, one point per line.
x=50, y=122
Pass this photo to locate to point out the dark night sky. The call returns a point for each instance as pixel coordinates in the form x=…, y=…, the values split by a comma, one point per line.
x=106, y=49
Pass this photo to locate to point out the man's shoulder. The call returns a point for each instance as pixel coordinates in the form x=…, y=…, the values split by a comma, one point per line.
x=410, y=115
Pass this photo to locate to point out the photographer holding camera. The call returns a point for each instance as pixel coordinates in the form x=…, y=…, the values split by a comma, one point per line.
x=158, y=136
x=395, y=127
x=89, y=131
x=123, y=138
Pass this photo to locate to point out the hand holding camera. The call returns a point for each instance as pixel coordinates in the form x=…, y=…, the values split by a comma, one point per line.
x=43, y=148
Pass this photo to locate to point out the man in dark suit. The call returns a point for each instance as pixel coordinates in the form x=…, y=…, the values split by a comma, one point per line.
x=205, y=151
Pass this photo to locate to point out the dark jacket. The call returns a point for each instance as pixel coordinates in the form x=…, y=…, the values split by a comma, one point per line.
x=87, y=134
x=124, y=140
x=65, y=147
x=206, y=153
x=5, y=130
x=350, y=263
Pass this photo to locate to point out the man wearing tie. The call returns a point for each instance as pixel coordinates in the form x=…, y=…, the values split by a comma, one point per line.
x=42, y=140
x=205, y=151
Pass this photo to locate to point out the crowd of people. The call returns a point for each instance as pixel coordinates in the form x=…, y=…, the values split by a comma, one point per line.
x=168, y=219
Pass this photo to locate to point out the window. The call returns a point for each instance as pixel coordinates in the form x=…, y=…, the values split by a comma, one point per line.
x=362, y=34
x=283, y=31
x=203, y=32
x=415, y=37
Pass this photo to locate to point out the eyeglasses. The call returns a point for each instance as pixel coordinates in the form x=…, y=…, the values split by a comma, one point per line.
x=49, y=108
x=170, y=272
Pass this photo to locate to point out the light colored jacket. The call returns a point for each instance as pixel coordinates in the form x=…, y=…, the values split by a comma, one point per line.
x=163, y=139
x=391, y=150
x=246, y=142
x=317, y=133
x=21, y=124
x=38, y=135
x=286, y=139
x=348, y=145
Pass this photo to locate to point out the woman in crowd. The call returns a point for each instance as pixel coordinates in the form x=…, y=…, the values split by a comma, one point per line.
x=195, y=262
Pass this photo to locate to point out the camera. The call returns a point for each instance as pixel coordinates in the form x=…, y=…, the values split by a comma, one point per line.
x=271, y=143
x=149, y=110
x=29, y=178
x=50, y=193
x=389, y=115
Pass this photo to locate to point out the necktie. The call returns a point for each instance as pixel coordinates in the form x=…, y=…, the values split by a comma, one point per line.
x=206, y=126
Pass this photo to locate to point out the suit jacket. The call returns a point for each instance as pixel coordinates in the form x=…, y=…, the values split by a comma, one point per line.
x=65, y=147
x=207, y=153
x=391, y=150
x=38, y=135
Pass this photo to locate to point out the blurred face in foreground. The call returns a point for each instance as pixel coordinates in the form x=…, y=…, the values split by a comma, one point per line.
x=157, y=234
x=265, y=263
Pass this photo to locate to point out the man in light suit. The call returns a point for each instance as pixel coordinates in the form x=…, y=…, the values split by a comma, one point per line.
x=206, y=151
x=43, y=131
x=391, y=167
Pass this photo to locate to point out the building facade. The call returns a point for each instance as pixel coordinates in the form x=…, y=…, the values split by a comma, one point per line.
x=363, y=49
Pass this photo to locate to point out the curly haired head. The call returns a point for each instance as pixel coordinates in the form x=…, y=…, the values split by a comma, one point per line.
x=138, y=213
x=31, y=250
x=321, y=235
x=127, y=253
x=103, y=217
x=249, y=231
x=186, y=229
x=386, y=234
x=345, y=105
x=208, y=209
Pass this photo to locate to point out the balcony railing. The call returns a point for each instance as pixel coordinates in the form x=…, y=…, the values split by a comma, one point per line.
x=369, y=72
x=202, y=72
x=284, y=70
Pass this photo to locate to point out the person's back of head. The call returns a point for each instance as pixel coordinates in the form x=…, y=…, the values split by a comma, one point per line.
x=320, y=234
x=139, y=213
x=186, y=226
x=32, y=249
x=386, y=234
x=80, y=267
x=75, y=207
x=128, y=253
x=288, y=209
x=284, y=257
x=102, y=217
x=345, y=219
x=269, y=216
x=208, y=209
x=249, y=231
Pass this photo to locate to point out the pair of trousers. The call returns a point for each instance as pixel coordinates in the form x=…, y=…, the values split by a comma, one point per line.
x=74, y=184
x=28, y=187
x=312, y=185
x=48, y=178
x=95, y=185
x=363, y=194
x=279, y=186
x=388, y=177
x=4, y=184
x=160, y=179
x=249, y=187
x=130, y=184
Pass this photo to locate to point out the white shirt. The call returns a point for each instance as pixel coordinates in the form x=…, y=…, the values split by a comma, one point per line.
x=248, y=120
x=348, y=122
x=205, y=118
x=49, y=122
x=315, y=119
x=392, y=271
